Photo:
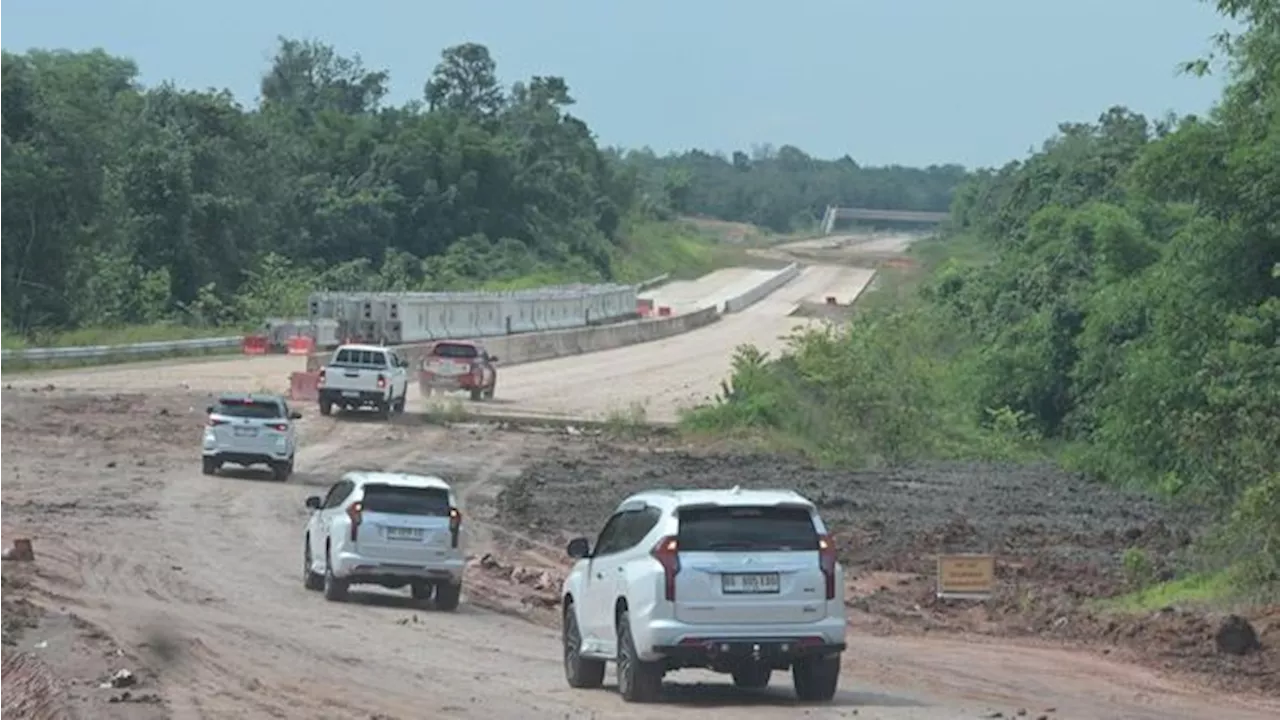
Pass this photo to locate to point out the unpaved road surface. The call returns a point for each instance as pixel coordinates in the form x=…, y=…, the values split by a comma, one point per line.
x=193, y=583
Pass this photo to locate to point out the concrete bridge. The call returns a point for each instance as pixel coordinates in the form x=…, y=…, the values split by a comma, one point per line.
x=838, y=213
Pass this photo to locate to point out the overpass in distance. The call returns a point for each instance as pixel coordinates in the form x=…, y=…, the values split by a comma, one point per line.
x=835, y=214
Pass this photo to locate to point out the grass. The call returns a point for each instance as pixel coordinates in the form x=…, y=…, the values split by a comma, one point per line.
x=123, y=335
x=1200, y=589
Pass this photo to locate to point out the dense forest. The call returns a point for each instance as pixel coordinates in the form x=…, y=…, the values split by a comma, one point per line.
x=784, y=189
x=126, y=205
x=1114, y=297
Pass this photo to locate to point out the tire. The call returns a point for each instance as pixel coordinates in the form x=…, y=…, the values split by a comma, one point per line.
x=399, y=404
x=448, y=596
x=815, y=679
x=488, y=394
x=384, y=409
x=326, y=407
x=638, y=681
x=580, y=672
x=311, y=580
x=752, y=677
x=335, y=589
x=420, y=592
x=477, y=394
x=280, y=471
x=209, y=466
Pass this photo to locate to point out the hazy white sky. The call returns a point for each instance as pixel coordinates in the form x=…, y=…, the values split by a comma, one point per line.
x=912, y=82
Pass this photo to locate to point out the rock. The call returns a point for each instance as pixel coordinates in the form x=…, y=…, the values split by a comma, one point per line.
x=122, y=678
x=489, y=562
x=1235, y=636
x=20, y=551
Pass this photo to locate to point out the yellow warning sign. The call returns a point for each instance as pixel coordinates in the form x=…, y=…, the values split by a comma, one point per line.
x=967, y=575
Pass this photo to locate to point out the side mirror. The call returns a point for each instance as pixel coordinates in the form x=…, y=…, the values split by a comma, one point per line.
x=493, y=358
x=313, y=502
x=579, y=548
x=295, y=415
x=208, y=409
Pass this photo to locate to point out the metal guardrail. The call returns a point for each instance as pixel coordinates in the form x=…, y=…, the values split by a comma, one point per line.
x=135, y=350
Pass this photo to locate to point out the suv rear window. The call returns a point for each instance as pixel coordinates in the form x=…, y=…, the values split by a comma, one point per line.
x=405, y=500
x=261, y=409
x=366, y=358
x=746, y=528
x=455, y=350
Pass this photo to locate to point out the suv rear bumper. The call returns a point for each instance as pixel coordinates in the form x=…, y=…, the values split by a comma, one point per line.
x=449, y=382
x=698, y=643
x=243, y=458
x=356, y=568
x=718, y=653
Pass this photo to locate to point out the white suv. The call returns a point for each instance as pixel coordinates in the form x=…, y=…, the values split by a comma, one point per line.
x=737, y=581
x=249, y=430
x=387, y=529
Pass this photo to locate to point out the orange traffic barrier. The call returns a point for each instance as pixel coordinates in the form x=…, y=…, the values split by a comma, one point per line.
x=304, y=386
x=301, y=345
x=644, y=307
x=664, y=311
x=254, y=344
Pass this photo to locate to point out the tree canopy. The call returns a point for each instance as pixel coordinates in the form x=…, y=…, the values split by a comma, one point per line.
x=126, y=204
x=1117, y=292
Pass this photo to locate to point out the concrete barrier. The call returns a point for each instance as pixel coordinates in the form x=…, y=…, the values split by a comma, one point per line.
x=532, y=347
x=761, y=291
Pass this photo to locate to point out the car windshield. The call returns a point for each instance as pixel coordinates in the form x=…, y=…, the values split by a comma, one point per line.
x=746, y=528
x=261, y=409
x=406, y=500
x=455, y=350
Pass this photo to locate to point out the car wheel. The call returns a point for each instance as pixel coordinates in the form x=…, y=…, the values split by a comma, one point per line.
x=335, y=590
x=488, y=394
x=311, y=580
x=816, y=678
x=326, y=407
x=209, y=466
x=384, y=409
x=420, y=591
x=280, y=471
x=580, y=672
x=752, y=677
x=448, y=596
x=477, y=394
x=404, y=399
x=638, y=681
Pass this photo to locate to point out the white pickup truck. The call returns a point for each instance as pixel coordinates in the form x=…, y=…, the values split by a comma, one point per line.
x=364, y=376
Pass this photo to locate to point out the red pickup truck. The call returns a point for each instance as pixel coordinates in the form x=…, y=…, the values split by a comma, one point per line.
x=453, y=365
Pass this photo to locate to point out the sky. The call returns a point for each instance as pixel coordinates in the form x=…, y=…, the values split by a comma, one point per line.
x=909, y=82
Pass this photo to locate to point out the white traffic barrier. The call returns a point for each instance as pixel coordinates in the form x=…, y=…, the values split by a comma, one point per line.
x=759, y=292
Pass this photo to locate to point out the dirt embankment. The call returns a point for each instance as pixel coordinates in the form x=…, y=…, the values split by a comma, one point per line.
x=1059, y=541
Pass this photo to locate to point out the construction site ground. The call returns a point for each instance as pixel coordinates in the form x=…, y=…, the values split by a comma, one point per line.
x=193, y=583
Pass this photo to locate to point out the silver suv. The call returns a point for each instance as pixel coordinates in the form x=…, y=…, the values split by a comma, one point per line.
x=250, y=430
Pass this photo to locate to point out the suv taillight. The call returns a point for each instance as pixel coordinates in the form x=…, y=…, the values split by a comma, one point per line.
x=354, y=511
x=320, y=377
x=667, y=552
x=827, y=561
x=214, y=422
x=455, y=525
x=279, y=427
x=382, y=381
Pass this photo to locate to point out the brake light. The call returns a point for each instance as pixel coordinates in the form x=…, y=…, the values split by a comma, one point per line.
x=320, y=377
x=827, y=561
x=354, y=511
x=281, y=427
x=214, y=422
x=382, y=381
x=455, y=525
x=667, y=552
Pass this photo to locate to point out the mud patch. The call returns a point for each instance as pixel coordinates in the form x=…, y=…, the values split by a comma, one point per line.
x=1058, y=539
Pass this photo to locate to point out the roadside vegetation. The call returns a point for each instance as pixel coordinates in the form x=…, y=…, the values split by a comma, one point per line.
x=1111, y=300
x=155, y=213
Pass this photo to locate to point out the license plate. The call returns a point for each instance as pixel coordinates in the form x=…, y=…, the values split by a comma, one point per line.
x=246, y=432
x=351, y=393
x=404, y=533
x=749, y=583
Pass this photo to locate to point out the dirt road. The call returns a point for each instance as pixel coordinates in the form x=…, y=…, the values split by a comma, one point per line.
x=194, y=583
